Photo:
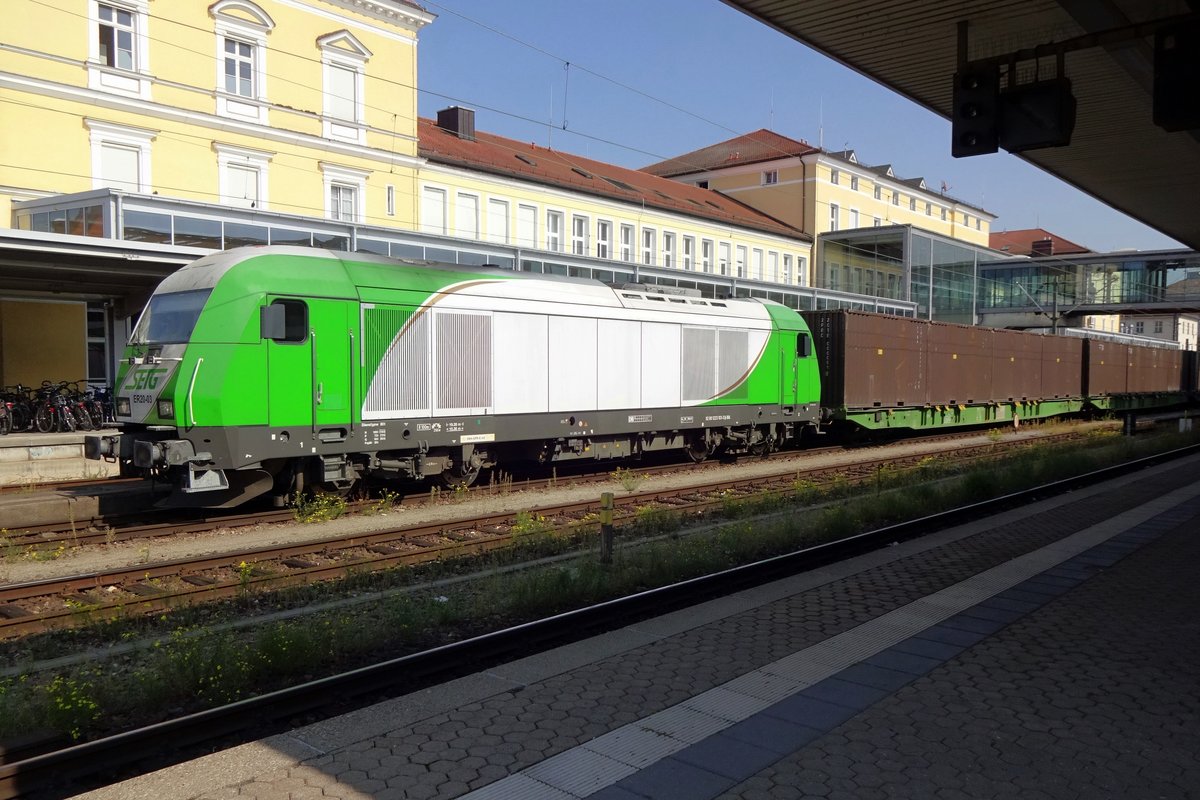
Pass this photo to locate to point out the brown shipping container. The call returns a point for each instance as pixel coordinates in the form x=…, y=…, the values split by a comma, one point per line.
x=1016, y=365
x=960, y=364
x=1154, y=369
x=1107, y=366
x=1062, y=367
x=869, y=360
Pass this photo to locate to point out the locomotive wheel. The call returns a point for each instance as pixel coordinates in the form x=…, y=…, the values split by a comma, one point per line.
x=697, y=452
x=454, y=478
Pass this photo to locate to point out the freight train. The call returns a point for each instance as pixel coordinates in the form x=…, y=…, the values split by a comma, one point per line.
x=269, y=370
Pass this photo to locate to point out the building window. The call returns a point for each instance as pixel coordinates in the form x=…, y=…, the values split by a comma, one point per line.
x=647, y=245
x=345, y=189
x=1158, y=326
x=770, y=177
x=242, y=29
x=433, y=210
x=929, y=209
x=626, y=243
x=787, y=268
x=242, y=176
x=878, y=192
x=391, y=200
x=118, y=52
x=1139, y=327
x=498, y=221
x=706, y=255
x=835, y=176
x=116, y=37
x=723, y=258
x=120, y=156
x=895, y=198
x=833, y=216
x=854, y=218
x=701, y=184
x=912, y=204
x=554, y=226
x=668, y=250
x=466, y=216
x=801, y=271
x=740, y=256
x=343, y=64
x=527, y=226
x=854, y=183
x=943, y=215
x=876, y=222
x=756, y=264
x=689, y=253
x=603, y=239
x=977, y=223
x=579, y=235
x=342, y=202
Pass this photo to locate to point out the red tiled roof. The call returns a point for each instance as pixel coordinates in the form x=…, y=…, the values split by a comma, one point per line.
x=1020, y=243
x=761, y=145
x=508, y=157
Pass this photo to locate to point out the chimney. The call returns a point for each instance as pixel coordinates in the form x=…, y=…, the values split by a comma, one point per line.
x=1042, y=247
x=459, y=121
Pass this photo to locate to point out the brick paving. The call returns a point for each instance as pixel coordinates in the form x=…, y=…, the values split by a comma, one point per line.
x=1091, y=695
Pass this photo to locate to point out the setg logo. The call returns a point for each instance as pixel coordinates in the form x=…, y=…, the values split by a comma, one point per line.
x=146, y=380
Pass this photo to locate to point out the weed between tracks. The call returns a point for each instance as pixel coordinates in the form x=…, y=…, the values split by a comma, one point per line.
x=200, y=657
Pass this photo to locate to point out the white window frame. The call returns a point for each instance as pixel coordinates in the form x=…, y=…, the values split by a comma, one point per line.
x=527, y=225
x=580, y=228
x=706, y=255
x=943, y=213
x=499, y=221
x=668, y=250
x=770, y=177
x=773, y=266
x=876, y=222
x=466, y=209
x=628, y=234
x=756, y=264
x=787, y=268
x=341, y=50
x=134, y=82
x=801, y=271
x=604, y=238
x=912, y=203
x=253, y=32
x=347, y=178
x=854, y=183
x=878, y=192
x=724, y=249
x=835, y=176
x=138, y=139
x=834, y=213
x=689, y=253
x=554, y=231
x=390, y=192
x=928, y=209
x=739, y=260
x=649, y=242
x=895, y=198
x=229, y=156
x=853, y=218
x=435, y=197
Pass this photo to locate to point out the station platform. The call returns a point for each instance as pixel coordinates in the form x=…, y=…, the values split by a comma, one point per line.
x=1048, y=652
x=29, y=459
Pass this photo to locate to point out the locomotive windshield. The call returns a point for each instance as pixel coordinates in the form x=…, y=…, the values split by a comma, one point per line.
x=170, y=318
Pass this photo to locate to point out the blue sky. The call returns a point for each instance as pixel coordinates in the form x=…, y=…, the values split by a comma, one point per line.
x=652, y=79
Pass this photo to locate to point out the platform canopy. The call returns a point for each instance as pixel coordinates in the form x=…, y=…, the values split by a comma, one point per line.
x=1116, y=152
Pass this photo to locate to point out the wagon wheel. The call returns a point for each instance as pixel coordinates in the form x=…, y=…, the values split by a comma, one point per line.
x=697, y=449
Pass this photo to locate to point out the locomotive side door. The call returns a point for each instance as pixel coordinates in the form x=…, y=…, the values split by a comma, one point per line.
x=334, y=361
x=284, y=326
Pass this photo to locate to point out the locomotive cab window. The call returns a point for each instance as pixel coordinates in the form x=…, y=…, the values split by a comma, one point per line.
x=804, y=347
x=285, y=321
x=170, y=318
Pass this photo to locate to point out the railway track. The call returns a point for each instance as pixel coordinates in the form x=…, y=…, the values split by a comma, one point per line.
x=141, y=524
x=142, y=589
x=187, y=736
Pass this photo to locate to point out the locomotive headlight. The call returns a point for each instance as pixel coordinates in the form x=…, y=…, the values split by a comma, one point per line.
x=166, y=409
x=123, y=407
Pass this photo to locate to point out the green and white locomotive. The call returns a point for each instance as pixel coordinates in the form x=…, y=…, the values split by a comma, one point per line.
x=270, y=369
